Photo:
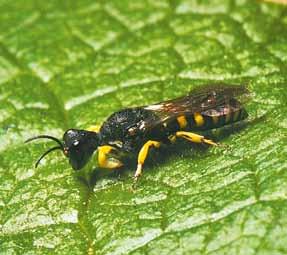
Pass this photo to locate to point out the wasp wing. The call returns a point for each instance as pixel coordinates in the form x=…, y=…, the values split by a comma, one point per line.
x=199, y=100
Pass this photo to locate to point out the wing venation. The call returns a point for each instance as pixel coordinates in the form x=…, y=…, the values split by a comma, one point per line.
x=198, y=101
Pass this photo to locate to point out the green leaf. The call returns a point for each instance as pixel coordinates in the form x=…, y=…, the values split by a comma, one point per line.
x=67, y=64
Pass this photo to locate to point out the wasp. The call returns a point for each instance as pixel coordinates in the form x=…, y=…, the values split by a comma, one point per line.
x=136, y=130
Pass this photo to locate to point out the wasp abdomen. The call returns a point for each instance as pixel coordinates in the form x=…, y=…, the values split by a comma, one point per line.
x=205, y=121
x=209, y=119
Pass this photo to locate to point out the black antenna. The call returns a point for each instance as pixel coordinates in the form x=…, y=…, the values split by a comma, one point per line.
x=47, y=152
x=60, y=147
x=47, y=137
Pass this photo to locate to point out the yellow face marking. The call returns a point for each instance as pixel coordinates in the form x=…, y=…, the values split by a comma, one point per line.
x=215, y=119
x=182, y=121
x=104, y=161
x=94, y=128
x=198, y=119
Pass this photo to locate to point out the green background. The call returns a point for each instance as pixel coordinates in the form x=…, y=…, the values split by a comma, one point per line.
x=70, y=64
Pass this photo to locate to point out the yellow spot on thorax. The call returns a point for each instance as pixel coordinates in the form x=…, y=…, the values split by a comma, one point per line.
x=182, y=122
x=198, y=119
x=94, y=128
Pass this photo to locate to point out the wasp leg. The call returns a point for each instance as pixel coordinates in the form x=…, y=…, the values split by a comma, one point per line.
x=142, y=156
x=195, y=138
x=106, y=162
x=94, y=128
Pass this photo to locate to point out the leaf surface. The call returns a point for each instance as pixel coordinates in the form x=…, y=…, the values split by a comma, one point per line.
x=66, y=64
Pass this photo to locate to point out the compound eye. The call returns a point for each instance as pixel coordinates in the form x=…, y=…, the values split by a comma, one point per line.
x=76, y=143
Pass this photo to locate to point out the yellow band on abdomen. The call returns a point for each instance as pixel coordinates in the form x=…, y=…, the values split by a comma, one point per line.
x=198, y=118
x=182, y=122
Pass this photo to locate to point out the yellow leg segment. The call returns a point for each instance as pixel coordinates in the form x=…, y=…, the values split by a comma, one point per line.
x=195, y=138
x=142, y=156
x=94, y=128
x=106, y=162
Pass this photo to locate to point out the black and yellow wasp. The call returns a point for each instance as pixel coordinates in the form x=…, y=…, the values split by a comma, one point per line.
x=136, y=130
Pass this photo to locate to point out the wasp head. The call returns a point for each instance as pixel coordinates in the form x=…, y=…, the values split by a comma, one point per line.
x=78, y=146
